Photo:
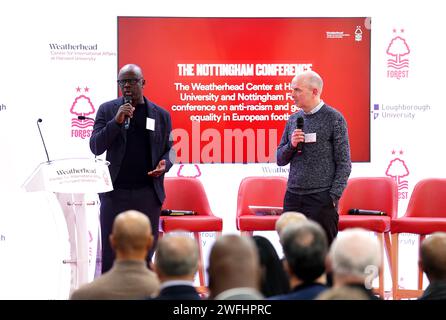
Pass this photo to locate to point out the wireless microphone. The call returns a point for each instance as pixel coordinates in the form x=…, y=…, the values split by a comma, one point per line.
x=300, y=125
x=127, y=99
x=169, y=212
x=84, y=118
x=366, y=212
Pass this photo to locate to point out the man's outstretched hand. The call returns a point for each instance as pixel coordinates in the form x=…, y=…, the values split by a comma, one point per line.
x=159, y=170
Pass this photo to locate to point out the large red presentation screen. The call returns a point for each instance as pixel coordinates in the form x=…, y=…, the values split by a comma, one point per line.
x=226, y=81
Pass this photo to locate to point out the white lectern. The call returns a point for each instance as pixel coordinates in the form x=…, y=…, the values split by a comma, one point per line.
x=76, y=183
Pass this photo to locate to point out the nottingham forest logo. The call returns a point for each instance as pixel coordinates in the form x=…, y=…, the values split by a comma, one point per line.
x=398, y=61
x=398, y=170
x=82, y=108
x=190, y=171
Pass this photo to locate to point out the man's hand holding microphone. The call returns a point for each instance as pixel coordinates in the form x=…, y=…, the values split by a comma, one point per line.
x=125, y=112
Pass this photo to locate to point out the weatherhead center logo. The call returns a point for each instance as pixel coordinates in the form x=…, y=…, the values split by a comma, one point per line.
x=397, y=169
x=81, y=108
x=398, y=62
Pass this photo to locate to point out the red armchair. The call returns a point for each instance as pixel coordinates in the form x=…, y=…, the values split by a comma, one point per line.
x=425, y=214
x=370, y=193
x=189, y=194
x=259, y=191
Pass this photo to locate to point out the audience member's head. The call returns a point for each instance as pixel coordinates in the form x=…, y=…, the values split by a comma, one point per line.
x=343, y=293
x=305, y=248
x=354, y=258
x=177, y=257
x=287, y=218
x=233, y=263
x=274, y=278
x=433, y=256
x=131, y=238
x=129, y=278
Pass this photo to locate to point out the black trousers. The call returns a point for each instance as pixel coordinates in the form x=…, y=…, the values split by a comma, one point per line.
x=315, y=206
x=119, y=200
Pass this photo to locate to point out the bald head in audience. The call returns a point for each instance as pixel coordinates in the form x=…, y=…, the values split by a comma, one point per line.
x=287, y=218
x=131, y=238
x=177, y=257
x=433, y=256
x=433, y=262
x=233, y=263
x=354, y=258
x=129, y=278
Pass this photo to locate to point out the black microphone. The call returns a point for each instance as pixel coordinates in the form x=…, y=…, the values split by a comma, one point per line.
x=168, y=212
x=127, y=99
x=43, y=141
x=366, y=212
x=300, y=125
x=84, y=118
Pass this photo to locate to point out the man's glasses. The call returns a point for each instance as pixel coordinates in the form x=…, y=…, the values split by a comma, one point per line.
x=131, y=82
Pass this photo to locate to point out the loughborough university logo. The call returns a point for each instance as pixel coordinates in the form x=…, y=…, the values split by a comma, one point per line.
x=398, y=57
x=82, y=106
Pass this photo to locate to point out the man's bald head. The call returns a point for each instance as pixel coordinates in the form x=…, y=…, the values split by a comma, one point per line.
x=311, y=79
x=287, y=218
x=131, y=82
x=131, y=68
x=353, y=253
x=233, y=263
x=433, y=256
x=131, y=232
x=306, y=90
x=177, y=257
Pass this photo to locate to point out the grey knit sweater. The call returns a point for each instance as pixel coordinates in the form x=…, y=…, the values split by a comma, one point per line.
x=324, y=164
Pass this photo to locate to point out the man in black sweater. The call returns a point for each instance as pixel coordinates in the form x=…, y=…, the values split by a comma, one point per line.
x=318, y=153
x=136, y=133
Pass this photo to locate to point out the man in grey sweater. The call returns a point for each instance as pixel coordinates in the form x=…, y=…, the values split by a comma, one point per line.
x=318, y=153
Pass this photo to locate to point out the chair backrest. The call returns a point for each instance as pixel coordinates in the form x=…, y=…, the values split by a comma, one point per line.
x=260, y=191
x=186, y=194
x=370, y=193
x=428, y=199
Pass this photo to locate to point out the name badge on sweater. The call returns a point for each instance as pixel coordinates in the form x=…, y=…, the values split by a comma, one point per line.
x=150, y=124
x=310, y=137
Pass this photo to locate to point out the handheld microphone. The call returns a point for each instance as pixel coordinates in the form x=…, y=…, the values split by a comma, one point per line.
x=84, y=118
x=366, y=212
x=127, y=99
x=169, y=212
x=300, y=125
x=43, y=141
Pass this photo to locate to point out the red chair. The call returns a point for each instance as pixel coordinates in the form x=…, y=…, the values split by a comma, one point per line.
x=189, y=194
x=425, y=214
x=368, y=193
x=259, y=191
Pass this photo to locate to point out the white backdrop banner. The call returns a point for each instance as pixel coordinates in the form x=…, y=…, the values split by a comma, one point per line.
x=59, y=61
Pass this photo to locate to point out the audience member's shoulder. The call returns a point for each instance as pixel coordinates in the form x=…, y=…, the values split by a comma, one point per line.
x=85, y=292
